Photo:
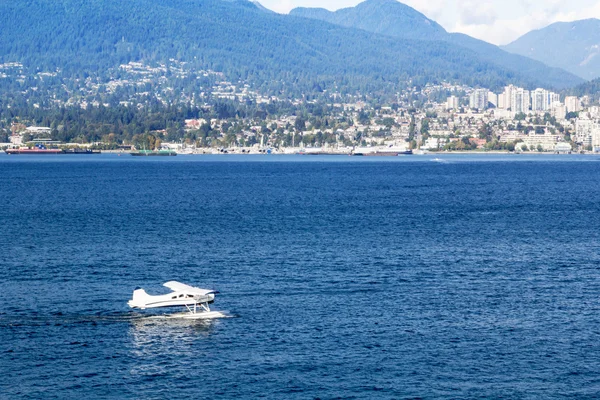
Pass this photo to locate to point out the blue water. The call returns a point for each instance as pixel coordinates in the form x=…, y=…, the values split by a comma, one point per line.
x=465, y=277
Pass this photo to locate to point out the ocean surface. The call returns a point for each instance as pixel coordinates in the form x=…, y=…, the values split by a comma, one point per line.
x=448, y=276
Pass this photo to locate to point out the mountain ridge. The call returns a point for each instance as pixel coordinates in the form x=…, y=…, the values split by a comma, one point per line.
x=235, y=37
x=403, y=21
x=573, y=46
x=379, y=16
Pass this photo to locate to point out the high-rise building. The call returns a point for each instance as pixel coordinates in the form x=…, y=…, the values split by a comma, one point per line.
x=493, y=98
x=452, y=103
x=558, y=111
x=539, y=100
x=526, y=100
x=552, y=99
x=587, y=131
x=519, y=100
x=501, y=101
x=479, y=99
x=508, y=96
x=572, y=103
x=542, y=99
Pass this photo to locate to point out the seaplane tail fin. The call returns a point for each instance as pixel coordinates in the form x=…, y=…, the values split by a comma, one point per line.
x=139, y=299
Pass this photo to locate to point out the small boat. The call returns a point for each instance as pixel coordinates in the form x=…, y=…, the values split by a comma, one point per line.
x=420, y=152
x=384, y=153
x=195, y=300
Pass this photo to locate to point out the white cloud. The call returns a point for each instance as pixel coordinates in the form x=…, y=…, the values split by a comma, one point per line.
x=508, y=28
x=477, y=13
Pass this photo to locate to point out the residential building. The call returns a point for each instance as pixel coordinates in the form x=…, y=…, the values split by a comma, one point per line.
x=478, y=99
x=572, y=104
x=493, y=98
x=501, y=101
x=519, y=101
x=587, y=131
x=452, y=103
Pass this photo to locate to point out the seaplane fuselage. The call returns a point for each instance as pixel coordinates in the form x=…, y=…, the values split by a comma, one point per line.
x=181, y=295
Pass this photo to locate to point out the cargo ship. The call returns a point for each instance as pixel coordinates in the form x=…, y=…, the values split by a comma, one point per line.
x=41, y=149
x=80, y=151
x=37, y=149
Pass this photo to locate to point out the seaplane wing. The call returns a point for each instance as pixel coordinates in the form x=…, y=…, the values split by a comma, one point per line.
x=182, y=287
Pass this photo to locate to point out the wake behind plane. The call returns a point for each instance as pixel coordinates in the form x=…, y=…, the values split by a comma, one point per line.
x=195, y=300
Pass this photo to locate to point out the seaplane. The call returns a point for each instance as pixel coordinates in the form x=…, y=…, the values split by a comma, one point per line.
x=194, y=299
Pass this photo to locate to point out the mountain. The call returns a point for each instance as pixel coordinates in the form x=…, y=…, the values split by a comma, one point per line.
x=86, y=38
x=387, y=17
x=392, y=18
x=260, y=6
x=572, y=46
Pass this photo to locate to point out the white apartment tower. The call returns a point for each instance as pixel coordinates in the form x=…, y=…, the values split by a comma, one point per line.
x=493, y=98
x=501, y=101
x=572, y=103
x=539, y=100
x=519, y=100
x=452, y=103
x=587, y=131
x=553, y=98
x=542, y=99
x=479, y=99
x=508, y=96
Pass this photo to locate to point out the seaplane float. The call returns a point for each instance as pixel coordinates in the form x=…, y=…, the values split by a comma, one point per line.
x=194, y=299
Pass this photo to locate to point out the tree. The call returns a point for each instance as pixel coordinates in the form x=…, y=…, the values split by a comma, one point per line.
x=388, y=122
x=520, y=126
x=571, y=115
x=485, y=132
x=300, y=124
x=4, y=136
x=524, y=147
x=425, y=126
x=520, y=116
x=363, y=118
x=411, y=127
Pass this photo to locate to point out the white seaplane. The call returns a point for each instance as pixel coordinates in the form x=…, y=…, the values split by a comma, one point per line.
x=194, y=299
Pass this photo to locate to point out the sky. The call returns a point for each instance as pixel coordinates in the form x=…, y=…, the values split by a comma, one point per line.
x=495, y=21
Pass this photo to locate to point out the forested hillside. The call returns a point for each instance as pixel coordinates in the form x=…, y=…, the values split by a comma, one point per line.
x=392, y=18
x=83, y=38
x=591, y=88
